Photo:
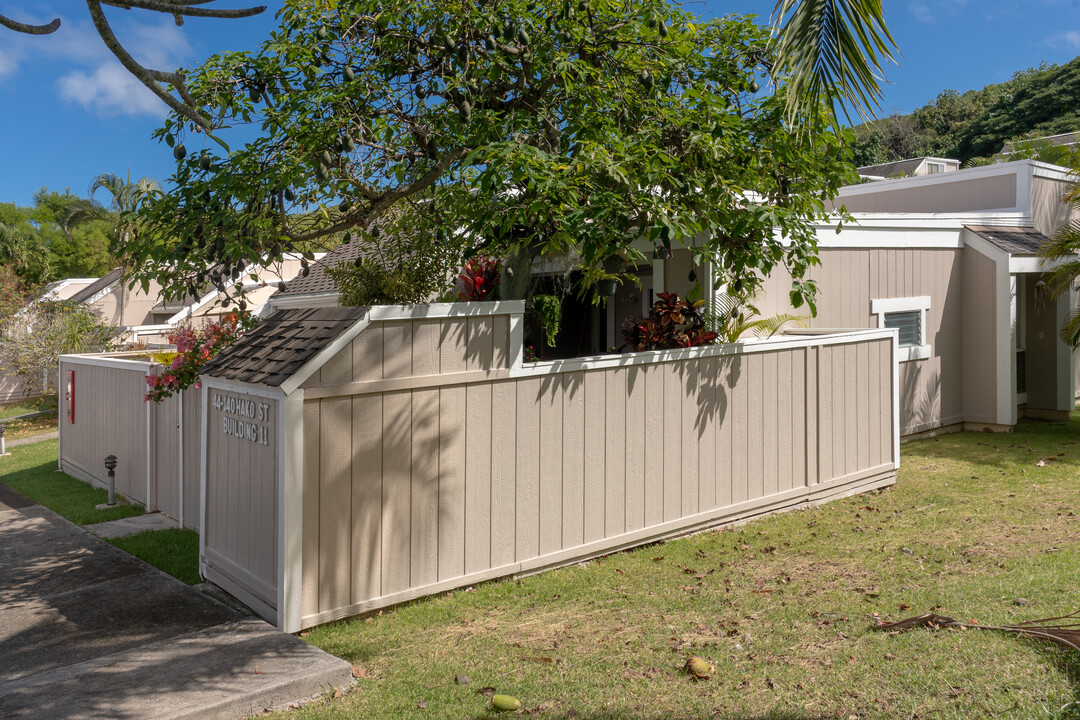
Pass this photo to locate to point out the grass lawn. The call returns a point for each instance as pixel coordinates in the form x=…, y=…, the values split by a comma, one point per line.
x=31, y=470
x=22, y=407
x=31, y=426
x=785, y=607
x=173, y=551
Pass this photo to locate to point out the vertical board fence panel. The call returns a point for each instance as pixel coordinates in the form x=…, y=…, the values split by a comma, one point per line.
x=430, y=457
x=157, y=445
x=469, y=469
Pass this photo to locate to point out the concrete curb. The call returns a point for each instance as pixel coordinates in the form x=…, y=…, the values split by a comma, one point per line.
x=233, y=670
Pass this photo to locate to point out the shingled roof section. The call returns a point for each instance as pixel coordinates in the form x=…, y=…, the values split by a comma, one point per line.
x=1013, y=240
x=282, y=344
x=98, y=285
x=317, y=281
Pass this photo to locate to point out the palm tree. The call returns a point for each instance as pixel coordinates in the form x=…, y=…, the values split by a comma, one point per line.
x=125, y=198
x=832, y=49
x=1064, y=248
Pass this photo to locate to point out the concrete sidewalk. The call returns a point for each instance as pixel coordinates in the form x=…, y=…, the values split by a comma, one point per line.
x=88, y=631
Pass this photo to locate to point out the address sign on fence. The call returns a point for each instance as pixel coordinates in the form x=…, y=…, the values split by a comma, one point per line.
x=239, y=412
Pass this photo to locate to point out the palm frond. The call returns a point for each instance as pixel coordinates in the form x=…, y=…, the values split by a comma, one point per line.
x=767, y=327
x=833, y=49
x=1064, y=634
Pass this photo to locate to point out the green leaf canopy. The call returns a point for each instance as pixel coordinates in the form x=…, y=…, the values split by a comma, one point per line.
x=592, y=128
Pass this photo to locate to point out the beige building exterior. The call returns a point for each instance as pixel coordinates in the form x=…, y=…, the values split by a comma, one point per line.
x=956, y=255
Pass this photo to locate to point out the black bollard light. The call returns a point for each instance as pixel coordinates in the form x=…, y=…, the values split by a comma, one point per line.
x=110, y=465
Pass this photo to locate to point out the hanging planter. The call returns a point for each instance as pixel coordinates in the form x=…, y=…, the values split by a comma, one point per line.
x=549, y=308
x=606, y=287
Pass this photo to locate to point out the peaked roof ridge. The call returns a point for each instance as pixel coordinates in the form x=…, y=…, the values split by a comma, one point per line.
x=102, y=283
x=276, y=348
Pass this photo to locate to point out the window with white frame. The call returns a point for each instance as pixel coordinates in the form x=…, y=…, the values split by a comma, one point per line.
x=934, y=167
x=908, y=317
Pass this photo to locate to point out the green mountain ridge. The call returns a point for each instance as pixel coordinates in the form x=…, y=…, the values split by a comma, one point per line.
x=974, y=125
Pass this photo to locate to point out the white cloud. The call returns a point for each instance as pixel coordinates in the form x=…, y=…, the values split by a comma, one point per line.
x=103, y=85
x=110, y=90
x=1068, y=40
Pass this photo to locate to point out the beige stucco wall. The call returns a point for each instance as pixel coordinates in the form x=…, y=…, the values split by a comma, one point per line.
x=985, y=193
x=240, y=534
x=849, y=279
x=427, y=465
x=125, y=306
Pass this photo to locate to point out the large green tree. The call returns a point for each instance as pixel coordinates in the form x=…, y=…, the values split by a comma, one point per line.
x=34, y=242
x=829, y=48
x=554, y=125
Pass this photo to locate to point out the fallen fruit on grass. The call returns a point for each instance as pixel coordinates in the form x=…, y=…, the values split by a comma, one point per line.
x=505, y=703
x=698, y=668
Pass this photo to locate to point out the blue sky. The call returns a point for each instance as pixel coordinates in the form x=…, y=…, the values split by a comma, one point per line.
x=69, y=112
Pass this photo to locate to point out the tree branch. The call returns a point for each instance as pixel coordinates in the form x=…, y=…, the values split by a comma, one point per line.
x=380, y=205
x=149, y=77
x=146, y=77
x=182, y=9
x=10, y=24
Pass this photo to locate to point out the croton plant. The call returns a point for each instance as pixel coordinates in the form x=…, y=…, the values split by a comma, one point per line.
x=672, y=323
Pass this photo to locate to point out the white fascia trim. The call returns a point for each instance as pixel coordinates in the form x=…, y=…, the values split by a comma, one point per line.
x=301, y=301
x=293, y=383
x=190, y=310
x=137, y=330
x=101, y=293
x=61, y=284
x=1028, y=264
x=382, y=313
x=884, y=305
x=106, y=361
x=929, y=221
x=921, y=303
x=1052, y=172
x=909, y=230
x=290, y=517
x=890, y=237
x=652, y=357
